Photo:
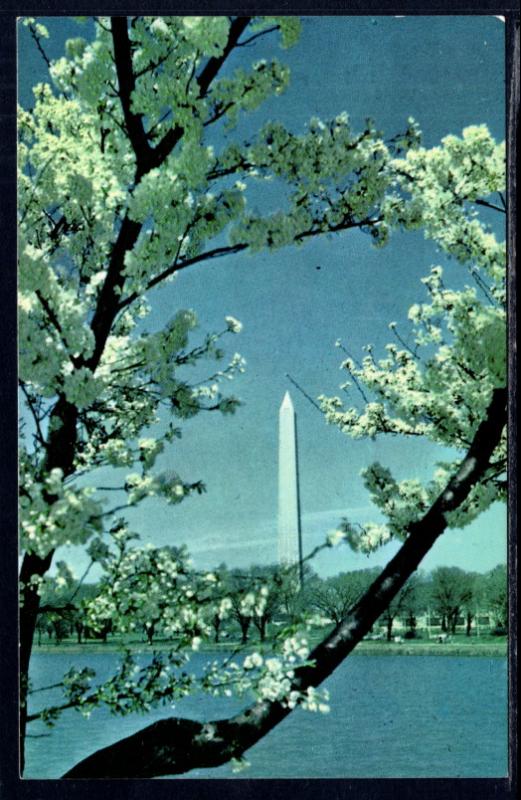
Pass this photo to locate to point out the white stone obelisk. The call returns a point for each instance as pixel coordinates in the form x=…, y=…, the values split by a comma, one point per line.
x=290, y=538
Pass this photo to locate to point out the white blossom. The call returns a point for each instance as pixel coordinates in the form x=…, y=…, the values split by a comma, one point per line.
x=335, y=537
x=233, y=324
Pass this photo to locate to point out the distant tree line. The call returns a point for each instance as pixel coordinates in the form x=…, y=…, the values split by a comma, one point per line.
x=60, y=617
x=445, y=601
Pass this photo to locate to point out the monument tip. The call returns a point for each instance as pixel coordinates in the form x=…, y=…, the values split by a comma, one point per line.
x=286, y=403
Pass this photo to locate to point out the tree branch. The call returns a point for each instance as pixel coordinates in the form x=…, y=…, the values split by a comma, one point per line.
x=53, y=319
x=38, y=41
x=490, y=205
x=80, y=582
x=204, y=80
x=177, y=745
x=37, y=420
x=127, y=84
x=177, y=266
x=147, y=159
x=346, y=225
x=303, y=392
x=255, y=36
x=155, y=64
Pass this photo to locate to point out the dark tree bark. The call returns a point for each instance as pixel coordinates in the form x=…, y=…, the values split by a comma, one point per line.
x=176, y=745
x=216, y=623
x=411, y=624
x=390, y=621
x=79, y=631
x=261, y=623
x=244, y=622
x=107, y=628
x=453, y=621
x=60, y=453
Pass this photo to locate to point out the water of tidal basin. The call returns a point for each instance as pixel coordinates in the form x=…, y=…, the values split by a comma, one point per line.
x=391, y=716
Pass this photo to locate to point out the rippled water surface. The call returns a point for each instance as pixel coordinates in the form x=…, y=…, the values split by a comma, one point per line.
x=391, y=716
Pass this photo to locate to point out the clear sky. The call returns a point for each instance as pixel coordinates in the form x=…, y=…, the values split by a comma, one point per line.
x=447, y=72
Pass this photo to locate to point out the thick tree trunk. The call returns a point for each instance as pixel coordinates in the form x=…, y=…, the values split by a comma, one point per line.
x=105, y=632
x=244, y=623
x=261, y=624
x=411, y=624
x=216, y=622
x=60, y=453
x=453, y=621
x=150, y=631
x=30, y=604
x=176, y=745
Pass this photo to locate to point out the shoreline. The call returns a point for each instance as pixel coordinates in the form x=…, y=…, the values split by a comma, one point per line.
x=459, y=649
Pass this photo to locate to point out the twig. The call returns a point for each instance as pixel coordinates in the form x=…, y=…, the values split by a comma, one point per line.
x=154, y=64
x=402, y=341
x=46, y=688
x=359, y=387
x=490, y=205
x=86, y=572
x=37, y=420
x=111, y=511
x=302, y=391
x=218, y=252
x=481, y=284
x=258, y=35
x=357, y=364
x=37, y=40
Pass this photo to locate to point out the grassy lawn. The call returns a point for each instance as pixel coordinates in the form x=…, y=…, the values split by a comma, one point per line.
x=458, y=645
x=489, y=646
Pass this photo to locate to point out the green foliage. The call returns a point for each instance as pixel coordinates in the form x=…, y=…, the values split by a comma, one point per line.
x=496, y=595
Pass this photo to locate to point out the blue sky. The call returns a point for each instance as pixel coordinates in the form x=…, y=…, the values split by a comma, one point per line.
x=447, y=72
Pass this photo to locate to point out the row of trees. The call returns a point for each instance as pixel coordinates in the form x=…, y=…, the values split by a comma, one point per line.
x=249, y=600
x=444, y=599
x=125, y=179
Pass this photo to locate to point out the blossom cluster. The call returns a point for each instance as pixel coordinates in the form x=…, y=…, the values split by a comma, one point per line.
x=436, y=381
x=53, y=513
x=271, y=677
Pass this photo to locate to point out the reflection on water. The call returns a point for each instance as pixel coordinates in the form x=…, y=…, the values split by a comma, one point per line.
x=391, y=716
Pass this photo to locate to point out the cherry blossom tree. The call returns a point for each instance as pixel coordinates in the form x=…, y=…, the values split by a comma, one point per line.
x=333, y=597
x=496, y=595
x=120, y=188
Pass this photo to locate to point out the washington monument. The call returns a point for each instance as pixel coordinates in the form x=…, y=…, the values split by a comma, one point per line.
x=290, y=536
